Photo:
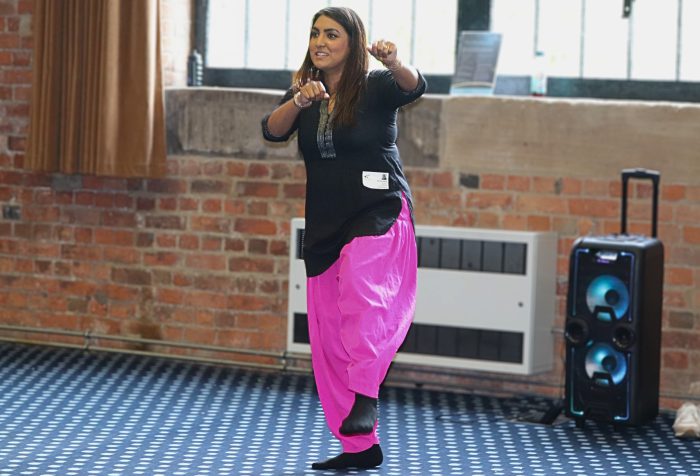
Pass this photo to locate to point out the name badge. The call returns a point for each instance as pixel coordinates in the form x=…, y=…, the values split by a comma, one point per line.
x=375, y=180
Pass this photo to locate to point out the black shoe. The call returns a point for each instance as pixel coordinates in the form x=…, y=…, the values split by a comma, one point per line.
x=369, y=458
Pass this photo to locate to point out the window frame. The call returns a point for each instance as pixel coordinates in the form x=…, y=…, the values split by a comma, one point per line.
x=471, y=15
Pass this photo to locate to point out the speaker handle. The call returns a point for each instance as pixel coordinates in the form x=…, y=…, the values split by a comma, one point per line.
x=638, y=173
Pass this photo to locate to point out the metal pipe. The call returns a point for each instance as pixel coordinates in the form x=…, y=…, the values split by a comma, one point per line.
x=146, y=354
x=87, y=335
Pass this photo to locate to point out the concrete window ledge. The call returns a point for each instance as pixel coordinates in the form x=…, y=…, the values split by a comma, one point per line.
x=500, y=134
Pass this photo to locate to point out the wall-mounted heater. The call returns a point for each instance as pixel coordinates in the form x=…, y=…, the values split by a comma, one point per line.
x=485, y=301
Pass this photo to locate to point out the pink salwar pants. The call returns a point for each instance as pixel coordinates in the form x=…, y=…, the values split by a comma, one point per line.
x=359, y=312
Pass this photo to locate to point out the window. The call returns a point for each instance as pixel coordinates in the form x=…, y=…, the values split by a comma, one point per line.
x=273, y=34
x=591, y=39
x=591, y=50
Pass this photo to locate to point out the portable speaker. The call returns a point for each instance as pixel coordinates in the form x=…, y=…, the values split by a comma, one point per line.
x=613, y=322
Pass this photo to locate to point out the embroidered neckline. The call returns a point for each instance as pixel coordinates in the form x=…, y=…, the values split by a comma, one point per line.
x=324, y=134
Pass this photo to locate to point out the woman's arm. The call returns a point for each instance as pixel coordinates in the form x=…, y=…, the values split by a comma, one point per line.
x=406, y=76
x=282, y=119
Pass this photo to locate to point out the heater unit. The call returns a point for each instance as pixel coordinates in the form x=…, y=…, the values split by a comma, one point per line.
x=485, y=299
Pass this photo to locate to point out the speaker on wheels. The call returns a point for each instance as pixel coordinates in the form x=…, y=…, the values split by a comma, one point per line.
x=613, y=322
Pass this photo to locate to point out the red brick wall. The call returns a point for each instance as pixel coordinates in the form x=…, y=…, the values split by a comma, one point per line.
x=573, y=207
x=201, y=256
x=197, y=257
x=15, y=77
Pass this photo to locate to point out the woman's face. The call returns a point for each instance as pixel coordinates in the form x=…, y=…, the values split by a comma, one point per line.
x=329, y=45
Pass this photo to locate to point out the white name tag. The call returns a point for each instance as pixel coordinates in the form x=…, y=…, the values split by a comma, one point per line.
x=375, y=180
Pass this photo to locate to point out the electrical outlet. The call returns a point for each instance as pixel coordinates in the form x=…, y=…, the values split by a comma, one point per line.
x=11, y=212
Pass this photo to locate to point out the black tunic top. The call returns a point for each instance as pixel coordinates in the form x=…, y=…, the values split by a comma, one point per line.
x=354, y=176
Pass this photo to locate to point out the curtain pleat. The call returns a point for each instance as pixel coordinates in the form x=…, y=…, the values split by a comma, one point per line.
x=97, y=93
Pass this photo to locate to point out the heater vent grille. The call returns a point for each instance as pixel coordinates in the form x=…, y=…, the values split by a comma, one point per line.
x=485, y=299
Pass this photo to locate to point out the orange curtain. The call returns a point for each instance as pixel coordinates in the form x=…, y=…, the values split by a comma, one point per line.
x=97, y=94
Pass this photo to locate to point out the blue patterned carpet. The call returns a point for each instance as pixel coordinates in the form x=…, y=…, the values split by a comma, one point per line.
x=67, y=412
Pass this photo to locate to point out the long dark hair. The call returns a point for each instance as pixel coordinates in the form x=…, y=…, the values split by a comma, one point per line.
x=352, y=82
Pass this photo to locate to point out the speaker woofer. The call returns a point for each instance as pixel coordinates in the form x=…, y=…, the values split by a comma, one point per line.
x=607, y=298
x=576, y=331
x=605, y=365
